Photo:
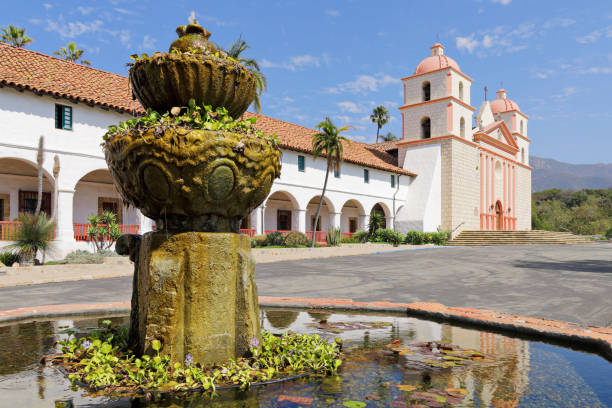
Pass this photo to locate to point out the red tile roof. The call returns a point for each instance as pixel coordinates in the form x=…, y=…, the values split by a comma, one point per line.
x=44, y=74
x=386, y=146
x=299, y=138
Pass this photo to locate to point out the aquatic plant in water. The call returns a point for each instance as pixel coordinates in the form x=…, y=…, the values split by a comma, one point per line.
x=102, y=361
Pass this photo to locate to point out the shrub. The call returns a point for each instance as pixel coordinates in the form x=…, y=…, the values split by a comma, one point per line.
x=428, y=237
x=395, y=238
x=375, y=223
x=275, y=238
x=441, y=237
x=609, y=233
x=8, y=258
x=415, y=237
x=349, y=240
x=296, y=239
x=361, y=236
x=107, y=253
x=34, y=235
x=387, y=235
x=103, y=230
x=259, y=241
x=83, y=257
x=334, y=236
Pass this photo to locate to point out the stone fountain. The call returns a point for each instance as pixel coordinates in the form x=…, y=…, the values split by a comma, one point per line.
x=194, y=288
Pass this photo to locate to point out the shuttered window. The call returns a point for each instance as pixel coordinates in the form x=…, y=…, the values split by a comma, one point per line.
x=63, y=117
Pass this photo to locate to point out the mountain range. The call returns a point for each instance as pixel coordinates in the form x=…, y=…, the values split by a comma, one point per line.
x=550, y=173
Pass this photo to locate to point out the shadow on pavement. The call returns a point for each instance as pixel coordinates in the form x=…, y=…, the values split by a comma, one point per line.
x=587, y=265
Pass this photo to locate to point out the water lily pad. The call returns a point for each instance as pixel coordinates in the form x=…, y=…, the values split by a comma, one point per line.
x=354, y=404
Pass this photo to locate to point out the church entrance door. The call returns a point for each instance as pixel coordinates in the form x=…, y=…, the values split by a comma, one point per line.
x=499, y=216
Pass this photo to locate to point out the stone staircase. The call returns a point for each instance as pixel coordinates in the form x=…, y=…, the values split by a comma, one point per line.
x=534, y=237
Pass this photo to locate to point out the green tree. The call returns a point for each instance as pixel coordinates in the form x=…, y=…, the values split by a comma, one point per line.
x=389, y=137
x=327, y=142
x=236, y=49
x=103, y=230
x=380, y=116
x=34, y=235
x=71, y=53
x=15, y=36
x=375, y=223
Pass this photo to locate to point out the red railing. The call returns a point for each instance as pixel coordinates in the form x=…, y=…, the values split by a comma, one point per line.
x=9, y=229
x=320, y=236
x=80, y=231
x=284, y=232
x=248, y=231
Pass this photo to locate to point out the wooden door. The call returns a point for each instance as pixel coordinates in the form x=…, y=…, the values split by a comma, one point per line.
x=283, y=220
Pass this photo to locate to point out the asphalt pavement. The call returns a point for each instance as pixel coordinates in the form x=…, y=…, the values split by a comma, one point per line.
x=571, y=283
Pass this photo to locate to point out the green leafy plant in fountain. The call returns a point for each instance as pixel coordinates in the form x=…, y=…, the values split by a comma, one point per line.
x=35, y=234
x=103, y=230
x=190, y=117
x=334, y=236
x=102, y=361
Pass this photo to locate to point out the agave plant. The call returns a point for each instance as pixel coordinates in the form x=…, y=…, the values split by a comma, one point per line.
x=34, y=235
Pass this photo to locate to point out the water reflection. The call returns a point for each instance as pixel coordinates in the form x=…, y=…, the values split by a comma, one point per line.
x=519, y=373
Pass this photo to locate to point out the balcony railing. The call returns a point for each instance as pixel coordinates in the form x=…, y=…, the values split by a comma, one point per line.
x=80, y=231
x=248, y=231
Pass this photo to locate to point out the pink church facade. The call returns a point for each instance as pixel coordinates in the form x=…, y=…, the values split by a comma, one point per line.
x=473, y=167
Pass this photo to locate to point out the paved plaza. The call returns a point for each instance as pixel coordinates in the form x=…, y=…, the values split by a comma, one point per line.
x=570, y=283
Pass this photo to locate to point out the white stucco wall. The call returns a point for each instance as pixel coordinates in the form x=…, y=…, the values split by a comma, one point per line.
x=422, y=207
x=413, y=87
x=436, y=111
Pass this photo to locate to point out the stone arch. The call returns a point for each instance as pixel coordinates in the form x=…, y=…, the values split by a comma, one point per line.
x=281, y=212
x=462, y=127
x=19, y=188
x=426, y=91
x=325, y=216
x=425, y=127
x=94, y=193
x=381, y=208
x=461, y=90
x=352, y=216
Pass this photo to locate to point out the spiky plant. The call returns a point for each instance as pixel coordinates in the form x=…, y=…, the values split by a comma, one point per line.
x=15, y=36
x=380, y=116
x=71, y=53
x=34, y=234
x=236, y=50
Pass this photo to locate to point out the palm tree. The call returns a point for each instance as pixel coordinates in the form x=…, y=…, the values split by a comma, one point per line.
x=72, y=53
x=327, y=142
x=238, y=47
x=380, y=116
x=389, y=137
x=15, y=36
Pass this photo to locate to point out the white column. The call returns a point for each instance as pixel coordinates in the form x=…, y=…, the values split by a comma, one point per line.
x=146, y=224
x=301, y=218
x=335, y=219
x=261, y=210
x=363, y=222
x=64, y=229
x=254, y=220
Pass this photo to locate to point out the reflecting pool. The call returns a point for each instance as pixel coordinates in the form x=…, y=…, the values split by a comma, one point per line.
x=383, y=366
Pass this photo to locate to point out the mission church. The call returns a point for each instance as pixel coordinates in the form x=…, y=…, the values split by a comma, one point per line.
x=443, y=174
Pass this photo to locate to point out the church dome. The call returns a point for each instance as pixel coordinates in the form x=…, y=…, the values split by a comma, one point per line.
x=503, y=104
x=436, y=61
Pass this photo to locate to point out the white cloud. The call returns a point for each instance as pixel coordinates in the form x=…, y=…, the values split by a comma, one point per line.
x=73, y=28
x=596, y=35
x=350, y=107
x=125, y=11
x=298, y=62
x=558, y=22
x=497, y=40
x=85, y=10
x=148, y=42
x=332, y=13
x=47, y=6
x=342, y=118
x=597, y=70
x=502, y=2
x=564, y=94
x=364, y=84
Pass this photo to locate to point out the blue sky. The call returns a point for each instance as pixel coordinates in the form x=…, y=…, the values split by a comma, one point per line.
x=342, y=58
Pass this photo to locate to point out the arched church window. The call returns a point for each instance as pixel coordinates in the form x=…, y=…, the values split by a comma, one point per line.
x=461, y=90
x=425, y=128
x=522, y=128
x=462, y=128
x=426, y=91
x=523, y=155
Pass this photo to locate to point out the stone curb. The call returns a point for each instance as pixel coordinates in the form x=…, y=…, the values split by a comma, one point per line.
x=588, y=338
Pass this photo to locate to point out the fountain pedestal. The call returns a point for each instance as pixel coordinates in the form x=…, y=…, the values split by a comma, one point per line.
x=195, y=292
